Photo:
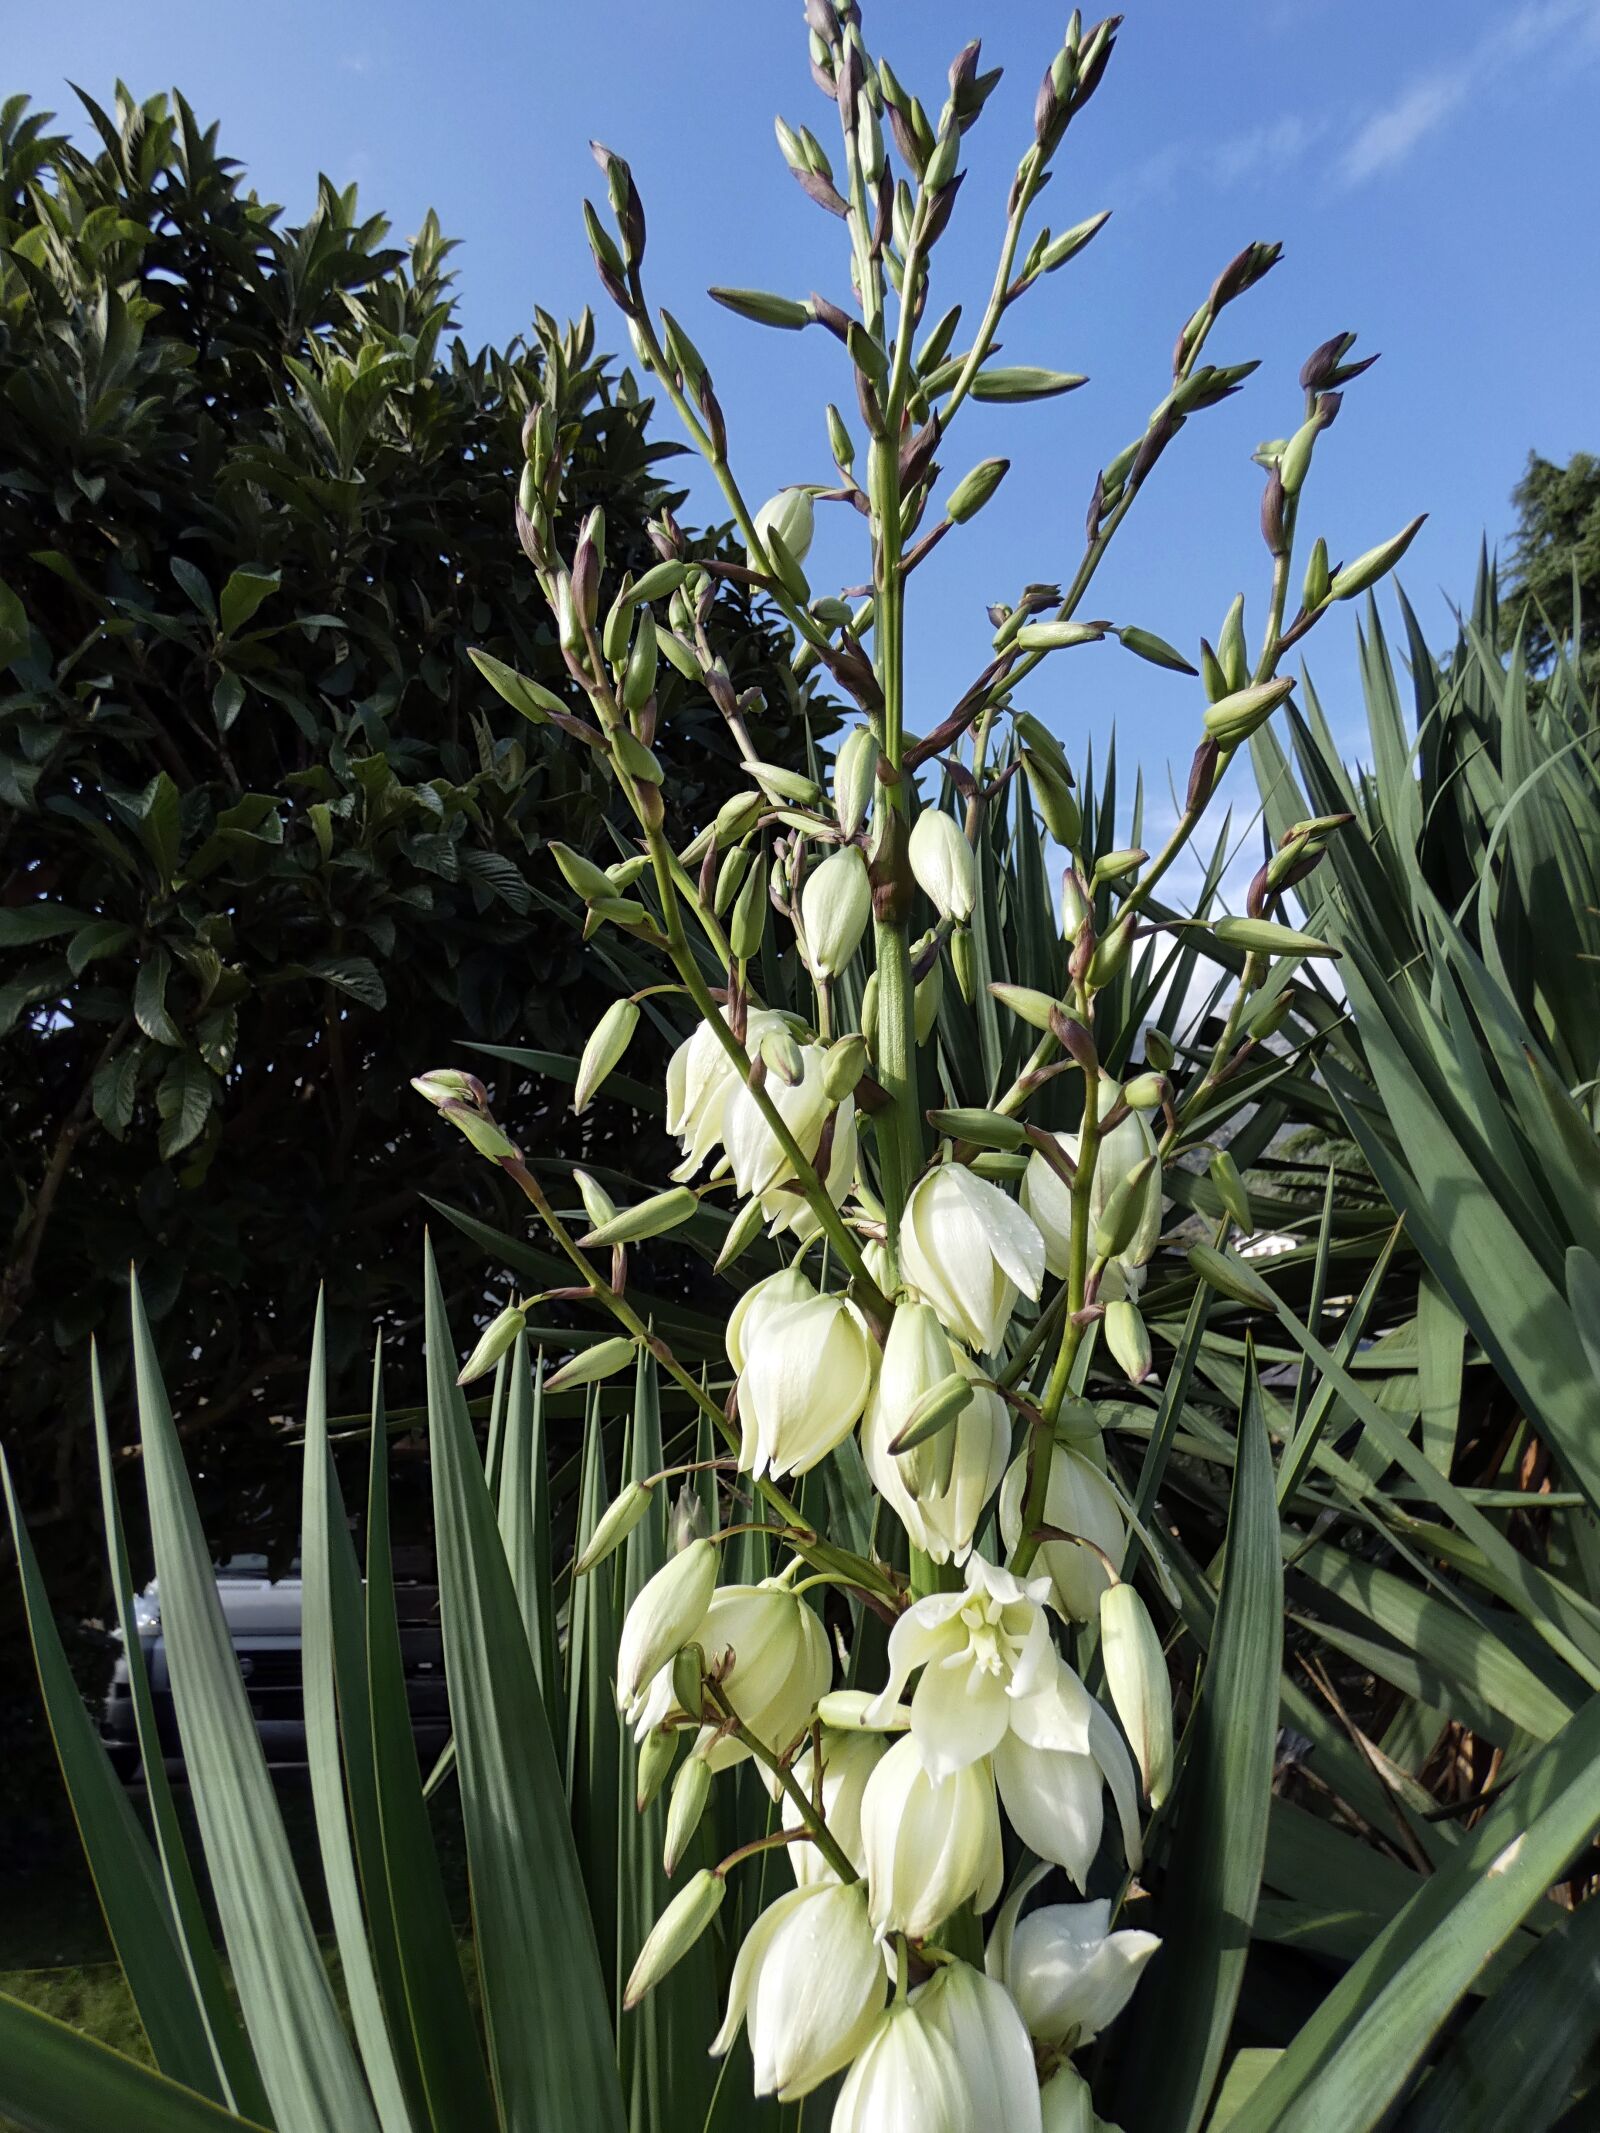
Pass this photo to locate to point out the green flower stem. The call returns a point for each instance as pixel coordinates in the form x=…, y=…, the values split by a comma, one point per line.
x=1255, y=969
x=826, y=1842
x=989, y=325
x=1042, y=1450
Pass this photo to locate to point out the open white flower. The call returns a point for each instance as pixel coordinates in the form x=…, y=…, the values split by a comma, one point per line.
x=789, y=1285
x=952, y=2058
x=938, y=1491
x=1070, y=1975
x=700, y=1074
x=929, y=1844
x=967, y=1249
x=771, y=1653
x=1078, y=1499
x=756, y=1153
x=993, y=1684
x=1048, y=1199
x=848, y=1760
x=807, y=1373
x=810, y=1982
x=786, y=1207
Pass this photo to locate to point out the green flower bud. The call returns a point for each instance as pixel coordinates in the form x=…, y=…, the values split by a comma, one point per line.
x=749, y=917
x=623, y=873
x=1227, y=1273
x=1158, y=1050
x=1225, y=1176
x=1124, y=1211
x=598, y=1204
x=984, y=1129
x=1264, y=936
x=1141, y=1688
x=1145, y=1092
x=1075, y=903
x=1147, y=645
x=1110, y=955
x=448, y=1085
x=1117, y=866
x=1369, y=568
x=839, y=442
x=650, y=1218
x=782, y=1054
x=964, y=961
x=603, y=1360
x=974, y=490
x=836, y=905
x=743, y=1231
x=691, y=1789
x=531, y=698
x=1314, y=590
x=634, y=757
x=1054, y=798
x=925, y=1002
x=1232, y=656
x=1270, y=1015
x=1233, y=718
x=659, y=1748
x=869, y=1010
x=1034, y=1008
x=855, y=773
x=499, y=1336
x=763, y=308
x=675, y=1933
x=932, y=1413
x=608, y=1040
x=483, y=1133
x=616, y=1522
x=1057, y=636
x=638, y=684
x=582, y=875
x=1128, y=1339
x=781, y=785
x=843, y=1066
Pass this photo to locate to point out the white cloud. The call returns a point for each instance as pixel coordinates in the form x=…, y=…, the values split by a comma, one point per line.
x=1387, y=136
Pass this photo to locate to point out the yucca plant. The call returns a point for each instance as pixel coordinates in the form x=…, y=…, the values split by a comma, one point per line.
x=964, y=1425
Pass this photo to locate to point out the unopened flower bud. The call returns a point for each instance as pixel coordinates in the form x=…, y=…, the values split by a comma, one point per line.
x=843, y=1065
x=836, y=904
x=1369, y=568
x=1034, y=1008
x=964, y=961
x=1140, y=1686
x=968, y=1249
x=609, y=1039
x=1128, y=1338
x=974, y=490
x=664, y=1618
x=810, y=1981
x=614, y=1525
x=942, y=861
x=602, y=1360
x=656, y=1753
x=648, y=1218
x=930, y=1844
x=675, y=1933
x=499, y=1337
x=1146, y=1092
x=1075, y=903
x=447, y=1085
x=781, y=1054
x=691, y=1789
x=1231, y=1187
x=791, y=515
x=925, y=1002
x=747, y=922
x=855, y=770
x=1234, y=717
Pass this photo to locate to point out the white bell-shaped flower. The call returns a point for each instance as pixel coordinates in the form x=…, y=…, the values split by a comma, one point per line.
x=848, y=1760
x=938, y=1490
x=786, y=1207
x=993, y=1684
x=771, y=1653
x=790, y=1284
x=952, y=2058
x=942, y=861
x=835, y=905
x=929, y=1844
x=1068, y=1972
x=700, y=1074
x=666, y=1616
x=967, y=1249
x=757, y=1155
x=1048, y=1198
x=810, y=1982
x=1078, y=1499
x=807, y=1373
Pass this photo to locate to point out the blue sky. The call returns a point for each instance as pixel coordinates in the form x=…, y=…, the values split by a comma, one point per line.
x=1430, y=166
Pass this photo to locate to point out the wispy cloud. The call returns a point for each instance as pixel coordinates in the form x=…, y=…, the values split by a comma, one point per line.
x=1378, y=140
x=1388, y=135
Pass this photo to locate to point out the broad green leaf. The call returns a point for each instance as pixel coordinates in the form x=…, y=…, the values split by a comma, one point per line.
x=307, y=2067
x=320, y=1505
x=443, y=2030
x=56, y=2080
x=126, y=1877
x=243, y=594
x=1355, y=2057
x=1218, y=1828
x=544, y=2000
x=21, y=925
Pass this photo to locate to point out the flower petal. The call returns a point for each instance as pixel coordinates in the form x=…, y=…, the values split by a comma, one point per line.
x=1054, y=1802
x=958, y=1714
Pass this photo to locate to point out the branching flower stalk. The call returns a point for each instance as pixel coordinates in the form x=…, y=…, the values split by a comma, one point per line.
x=953, y=1271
